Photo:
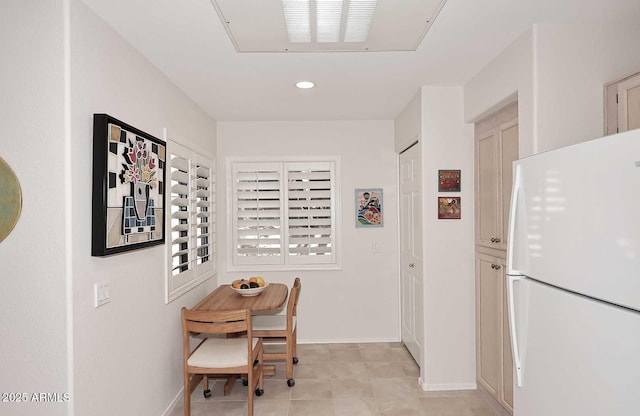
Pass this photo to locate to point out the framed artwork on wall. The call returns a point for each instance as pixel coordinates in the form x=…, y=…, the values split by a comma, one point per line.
x=449, y=208
x=128, y=187
x=369, y=207
x=449, y=180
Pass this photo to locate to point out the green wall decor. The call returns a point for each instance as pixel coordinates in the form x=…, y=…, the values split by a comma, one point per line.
x=10, y=199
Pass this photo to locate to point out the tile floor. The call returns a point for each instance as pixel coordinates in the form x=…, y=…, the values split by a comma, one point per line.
x=376, y=379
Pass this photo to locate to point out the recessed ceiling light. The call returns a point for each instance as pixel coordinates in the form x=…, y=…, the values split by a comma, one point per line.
x=305, y=84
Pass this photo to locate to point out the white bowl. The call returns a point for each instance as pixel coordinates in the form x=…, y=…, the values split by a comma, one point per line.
x=251, y=291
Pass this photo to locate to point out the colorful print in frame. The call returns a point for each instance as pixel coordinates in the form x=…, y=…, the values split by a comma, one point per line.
x=449, y=180
x=128, y=187
x=449, y=208
x=369, y=207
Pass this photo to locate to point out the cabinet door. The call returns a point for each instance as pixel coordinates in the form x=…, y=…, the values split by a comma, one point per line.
x=622, y=104
x=496, y=149
x=508, y=141
x=629, y=104
x=487, y=188
x=489, y=328
x=506, y=398
x=494, y=359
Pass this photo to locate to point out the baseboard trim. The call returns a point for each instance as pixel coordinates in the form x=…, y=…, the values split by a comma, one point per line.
x=349, y=341
x=174, y=402
x=447, y=387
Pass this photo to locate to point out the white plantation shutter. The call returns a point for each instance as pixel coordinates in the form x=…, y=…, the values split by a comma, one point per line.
x=179, y=226
x=258, y=220
x=310, y=214
x=205, y=217
x=191, y=221
x=284, y=213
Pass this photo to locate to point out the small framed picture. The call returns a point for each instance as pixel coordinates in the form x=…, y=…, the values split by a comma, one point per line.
x=449, y=180
x=369, y=207
x=449, y=208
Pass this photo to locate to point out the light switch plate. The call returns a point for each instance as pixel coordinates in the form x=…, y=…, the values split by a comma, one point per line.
x=101, y=294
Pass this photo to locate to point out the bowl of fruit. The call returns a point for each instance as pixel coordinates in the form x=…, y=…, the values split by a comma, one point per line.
x=252, y=286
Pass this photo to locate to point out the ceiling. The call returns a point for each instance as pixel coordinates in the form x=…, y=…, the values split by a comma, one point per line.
x=188, y=42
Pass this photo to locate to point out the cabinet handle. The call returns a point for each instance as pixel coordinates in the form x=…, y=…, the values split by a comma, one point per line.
x=496, y=266
x=498, y=240
x=411, y=265
x=493, y=240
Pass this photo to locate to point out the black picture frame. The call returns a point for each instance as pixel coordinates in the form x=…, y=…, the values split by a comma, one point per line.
x=128, y=195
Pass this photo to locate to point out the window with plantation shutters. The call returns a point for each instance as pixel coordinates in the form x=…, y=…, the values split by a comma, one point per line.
x=191, y=220
x=284, y=214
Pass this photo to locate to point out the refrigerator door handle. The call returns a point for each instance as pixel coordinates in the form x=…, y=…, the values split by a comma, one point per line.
x=512, y=328
x=513, y=210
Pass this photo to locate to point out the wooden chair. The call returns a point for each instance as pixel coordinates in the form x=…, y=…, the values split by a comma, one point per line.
x=220, y=355
x=282, y=328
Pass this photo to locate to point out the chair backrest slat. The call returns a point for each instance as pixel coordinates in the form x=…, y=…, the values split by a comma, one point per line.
x=292, y=305
x=216, y=322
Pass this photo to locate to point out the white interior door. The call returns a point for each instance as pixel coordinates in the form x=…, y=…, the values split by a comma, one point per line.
x=411, y=252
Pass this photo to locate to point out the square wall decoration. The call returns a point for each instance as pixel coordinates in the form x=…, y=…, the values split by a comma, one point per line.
x=128, y=187
x=449, y=208
x=369, y=207
x=449, y=180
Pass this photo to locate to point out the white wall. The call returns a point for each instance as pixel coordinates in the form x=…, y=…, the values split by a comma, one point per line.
x=509, y=75
x=127, y=353
x=360, y=302
x=407, y=126
x=35, y=331
x=573, y=64
x=449, y=285
x=558, y=73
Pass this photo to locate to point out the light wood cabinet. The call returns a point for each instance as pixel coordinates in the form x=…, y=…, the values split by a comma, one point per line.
x=494, y=359
x=622, y=104
x=496, y=149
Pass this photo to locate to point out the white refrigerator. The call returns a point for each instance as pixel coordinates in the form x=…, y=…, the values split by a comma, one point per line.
x=573, y=279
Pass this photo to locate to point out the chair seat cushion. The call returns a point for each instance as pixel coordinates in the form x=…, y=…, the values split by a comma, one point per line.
x=221, y=353
x=270, y=322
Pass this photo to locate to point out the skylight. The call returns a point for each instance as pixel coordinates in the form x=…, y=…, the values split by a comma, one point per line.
x=328, y=20
x=297, y=16
x=359, y=19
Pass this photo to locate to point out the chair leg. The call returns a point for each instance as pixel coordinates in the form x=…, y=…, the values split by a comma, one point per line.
x=261, y=376
x=295, y=345
x=187, y=395
x=205, y=385
x=290, y=354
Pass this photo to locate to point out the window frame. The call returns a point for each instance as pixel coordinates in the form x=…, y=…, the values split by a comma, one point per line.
x=181, y=283
x=282, y=263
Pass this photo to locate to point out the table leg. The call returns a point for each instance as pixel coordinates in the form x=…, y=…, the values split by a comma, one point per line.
x=228, y=386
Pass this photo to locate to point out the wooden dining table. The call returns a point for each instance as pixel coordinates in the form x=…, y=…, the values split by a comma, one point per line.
x=224, y=298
